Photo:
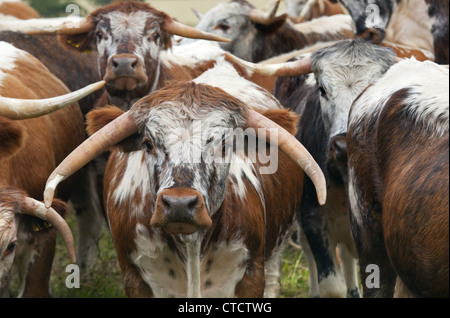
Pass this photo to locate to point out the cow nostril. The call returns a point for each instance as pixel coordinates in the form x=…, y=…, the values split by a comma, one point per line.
x=192, y=203
x=133, y=65
x=115, y=64
x=166, y=201
x=188, y=203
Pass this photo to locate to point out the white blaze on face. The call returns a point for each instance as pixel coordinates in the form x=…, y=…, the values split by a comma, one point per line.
x=131, y=28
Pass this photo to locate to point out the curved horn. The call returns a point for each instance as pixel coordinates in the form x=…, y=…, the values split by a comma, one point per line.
x=111, y=134
x=260, y=17
x=67, y=28
x=295, y=150
x=37, y=208
x=180, y=29
x=30, y=108
x=293, y=68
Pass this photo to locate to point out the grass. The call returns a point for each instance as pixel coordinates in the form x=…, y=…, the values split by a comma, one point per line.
x=105, y=280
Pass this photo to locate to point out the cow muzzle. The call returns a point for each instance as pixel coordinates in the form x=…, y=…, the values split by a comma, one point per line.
x=125, y=72
x=180, y=211
x=373, y=35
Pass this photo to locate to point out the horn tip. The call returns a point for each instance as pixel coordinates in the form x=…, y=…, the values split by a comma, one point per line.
x=48, y=197
x=322, y=197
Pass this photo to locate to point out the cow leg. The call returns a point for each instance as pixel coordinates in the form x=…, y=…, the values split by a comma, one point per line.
x=331, y=282
x=85, y=200
x=349, y=269
x=311, y=263
x=376, y=273
x=273, y=274
x=253, y=283
x=134, y=284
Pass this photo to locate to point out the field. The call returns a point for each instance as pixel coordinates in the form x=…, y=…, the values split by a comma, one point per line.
x=179, y=9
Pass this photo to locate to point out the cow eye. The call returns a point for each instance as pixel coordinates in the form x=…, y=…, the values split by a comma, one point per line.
x=156, y=36
x=10, y=248
x=148, y=145
x=222, y=26
x=323, y=93
x=99, y=35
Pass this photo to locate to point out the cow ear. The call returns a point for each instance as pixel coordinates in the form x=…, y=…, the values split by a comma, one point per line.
x=100, y=117
x=11, y=137
x=273, y=27
x=83, y=42
x=283, y=117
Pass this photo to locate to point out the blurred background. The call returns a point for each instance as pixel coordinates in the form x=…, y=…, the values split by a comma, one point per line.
x=179, y=9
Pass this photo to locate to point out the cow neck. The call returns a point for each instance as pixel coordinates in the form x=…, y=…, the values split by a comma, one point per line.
x=193, y=244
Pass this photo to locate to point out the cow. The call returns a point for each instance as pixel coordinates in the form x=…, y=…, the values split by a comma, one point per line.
x=341, y=72
x=75, y=70
x=120, y=43
x=398, y=162
x=17, y=9
x=256, y=36
x=35, y=135
x=418, y=24
x=184, y=225
x=25, y=240
x=128, y=37
x=306, y=10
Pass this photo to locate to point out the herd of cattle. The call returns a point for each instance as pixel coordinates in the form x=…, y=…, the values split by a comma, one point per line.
x=107, y=112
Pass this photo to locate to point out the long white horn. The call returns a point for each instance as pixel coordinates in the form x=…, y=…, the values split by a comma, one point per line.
x=186, y=31
x=295, y=150
x=111, y=134
x=66, y=27
x=293, y=68
x=14, y=108
x=37, y=208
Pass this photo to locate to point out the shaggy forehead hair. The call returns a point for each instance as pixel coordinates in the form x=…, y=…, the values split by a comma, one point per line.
x=352, y=53
x=131, y=8
x=192, y=100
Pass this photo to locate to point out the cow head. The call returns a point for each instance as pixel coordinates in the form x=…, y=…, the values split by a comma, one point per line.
x=187, y=131
x=193, y=120
x=241, y=22
x=128, y=36
x=13, y=204
x=371, y=17
x=342, y=72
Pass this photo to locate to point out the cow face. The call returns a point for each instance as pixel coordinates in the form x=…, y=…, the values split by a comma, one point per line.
x=128, y=41
x=241, y=22
x=182, y=138
x=371, y=17
x=229, y=20
x=342, y=72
